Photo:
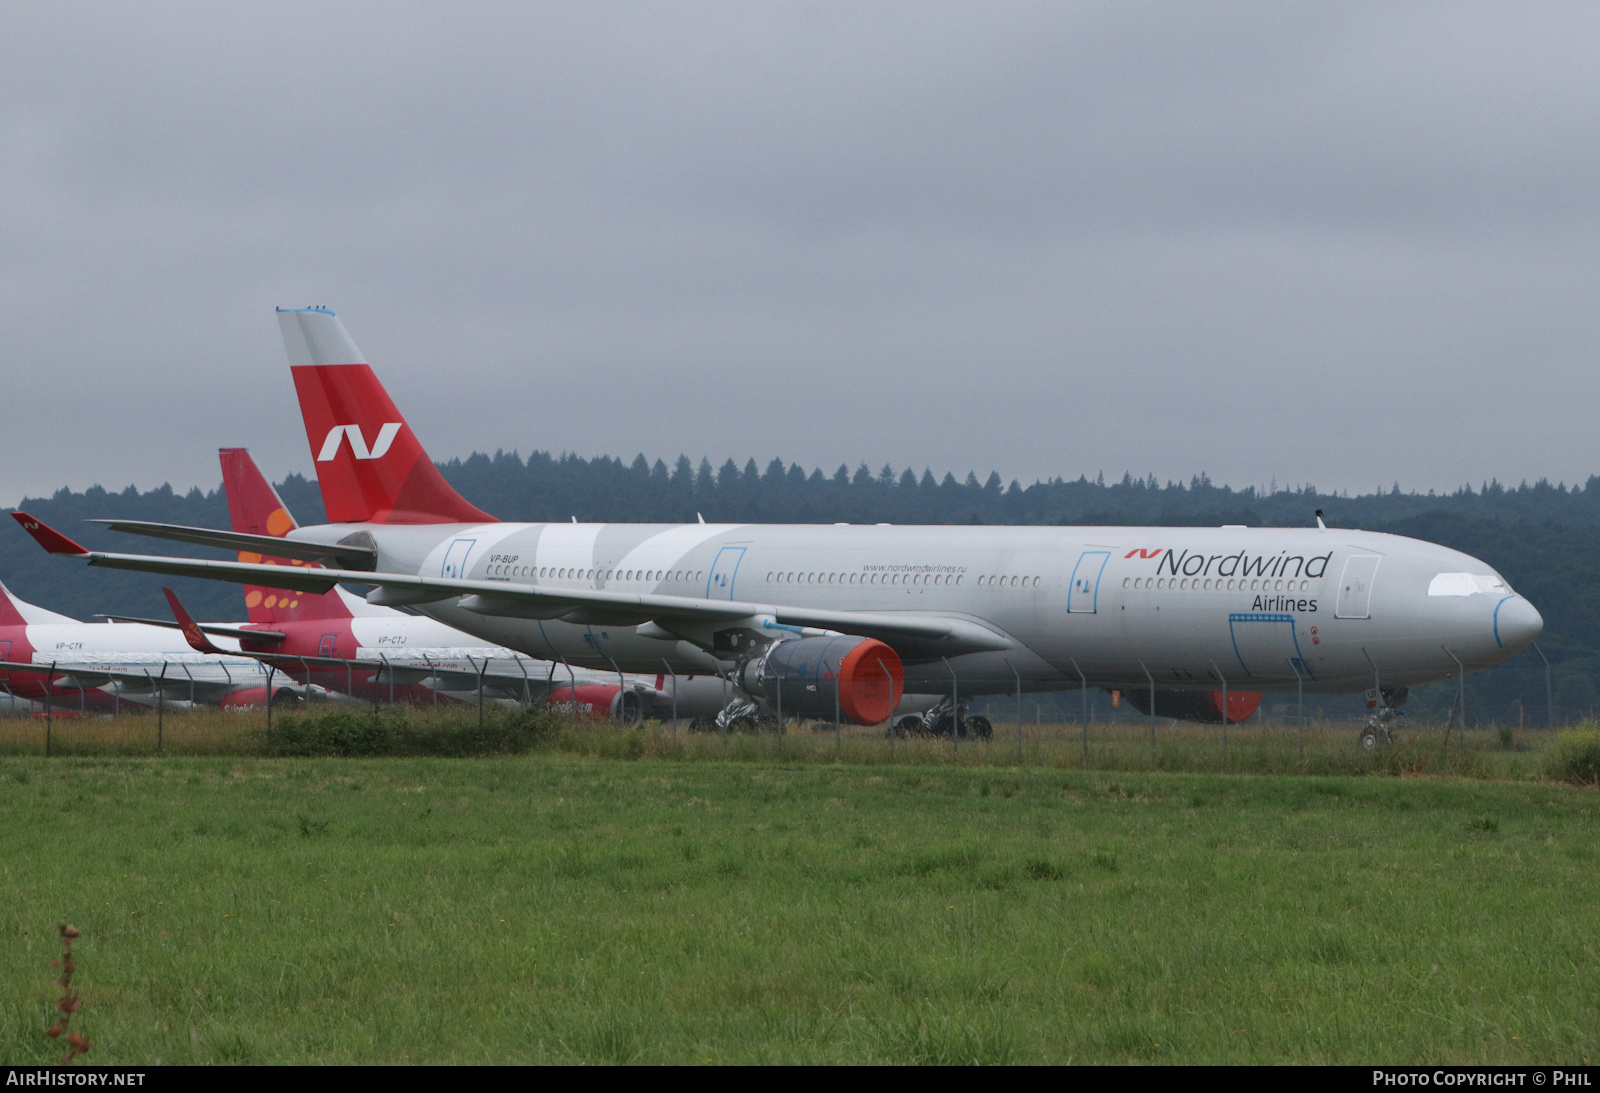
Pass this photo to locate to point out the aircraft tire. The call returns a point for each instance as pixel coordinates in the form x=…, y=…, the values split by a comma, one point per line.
x=910, y=725
x=980, y=727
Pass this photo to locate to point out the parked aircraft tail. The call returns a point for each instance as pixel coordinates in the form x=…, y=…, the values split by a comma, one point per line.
x=370, y=466
x=15, y=612
x=255, y=507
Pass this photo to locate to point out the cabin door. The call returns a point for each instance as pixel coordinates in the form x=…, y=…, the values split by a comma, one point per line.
x=1083, y=597
x=723, y=571
x=1355, y=587
x=455, y=559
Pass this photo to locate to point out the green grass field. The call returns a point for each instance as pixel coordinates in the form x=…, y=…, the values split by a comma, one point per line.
x=615, y=897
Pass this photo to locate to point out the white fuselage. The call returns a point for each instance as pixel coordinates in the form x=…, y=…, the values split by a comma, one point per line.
x=1258, y=608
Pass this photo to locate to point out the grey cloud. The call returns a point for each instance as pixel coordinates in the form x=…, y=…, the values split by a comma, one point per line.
x=1340, y=243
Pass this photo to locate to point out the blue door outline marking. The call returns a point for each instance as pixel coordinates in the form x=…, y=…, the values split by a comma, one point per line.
x=1085, y=587
x=724, y=571
x=327, y=646
x=455, y=559
x=1236, y=617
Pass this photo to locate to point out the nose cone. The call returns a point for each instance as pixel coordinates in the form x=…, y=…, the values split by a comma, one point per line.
x=1517, y=624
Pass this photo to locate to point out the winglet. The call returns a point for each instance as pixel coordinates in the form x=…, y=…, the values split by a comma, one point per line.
x=48, y=537
x=191, y=630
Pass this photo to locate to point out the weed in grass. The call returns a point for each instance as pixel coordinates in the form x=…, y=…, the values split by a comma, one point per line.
x=1103, y=859
x=1486, y=825
x=310, y=828
x=1330, y=948
x=1040, y=869
x=69, y=1002
x=997, y=878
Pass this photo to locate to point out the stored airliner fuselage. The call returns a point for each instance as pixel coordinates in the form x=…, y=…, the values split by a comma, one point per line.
x=1263, y=609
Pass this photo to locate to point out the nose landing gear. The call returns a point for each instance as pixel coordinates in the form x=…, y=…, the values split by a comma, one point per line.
x=1384, y=704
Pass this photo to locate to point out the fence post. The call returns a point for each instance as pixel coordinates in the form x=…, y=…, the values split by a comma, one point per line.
x=272, y=670
x=955, y=706
x=1461, y=700
x=622, y=694
x=1018, y=676
x=49, y=712
x=888, y=677
x=1224, y=679
x=674, y=676
x=1300, y=702
x=1549, y=705
x=1083, y=714
x=572, y=685
x=1151, y=717
x=161, y=707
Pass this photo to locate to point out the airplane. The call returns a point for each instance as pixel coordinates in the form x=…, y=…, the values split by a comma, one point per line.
x=54, y=662
x=841, y=621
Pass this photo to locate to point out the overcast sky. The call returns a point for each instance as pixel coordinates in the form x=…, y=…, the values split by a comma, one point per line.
x=1343, y=243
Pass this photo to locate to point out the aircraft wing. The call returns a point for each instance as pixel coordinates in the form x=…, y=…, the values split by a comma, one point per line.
x=208, y=628
x=88, y=676
x=495, y=671
x=914, y=635
x=348, y=554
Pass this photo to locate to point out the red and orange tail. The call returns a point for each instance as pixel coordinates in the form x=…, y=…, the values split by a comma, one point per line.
x=370, y=466
x=254, y=506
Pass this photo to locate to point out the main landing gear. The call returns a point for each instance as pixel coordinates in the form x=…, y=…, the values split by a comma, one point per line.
x=944, y=719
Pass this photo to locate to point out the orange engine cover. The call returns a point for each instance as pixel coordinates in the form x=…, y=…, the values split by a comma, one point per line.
x=860, y=679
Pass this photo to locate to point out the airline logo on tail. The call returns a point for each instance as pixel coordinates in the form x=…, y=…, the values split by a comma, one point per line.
x=358, y=443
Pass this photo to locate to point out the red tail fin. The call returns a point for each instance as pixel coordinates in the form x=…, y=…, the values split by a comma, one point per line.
x=190, y=629
x=254, y=506
x=370, y=466
x=15, y=612
x=11, y=609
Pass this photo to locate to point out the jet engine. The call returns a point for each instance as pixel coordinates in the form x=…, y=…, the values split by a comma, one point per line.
x=247, y=697
x=599, y=701
x=859, y=679
x=1196, y=705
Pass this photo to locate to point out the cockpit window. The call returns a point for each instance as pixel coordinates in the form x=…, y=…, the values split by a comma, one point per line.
x=1468, y=584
